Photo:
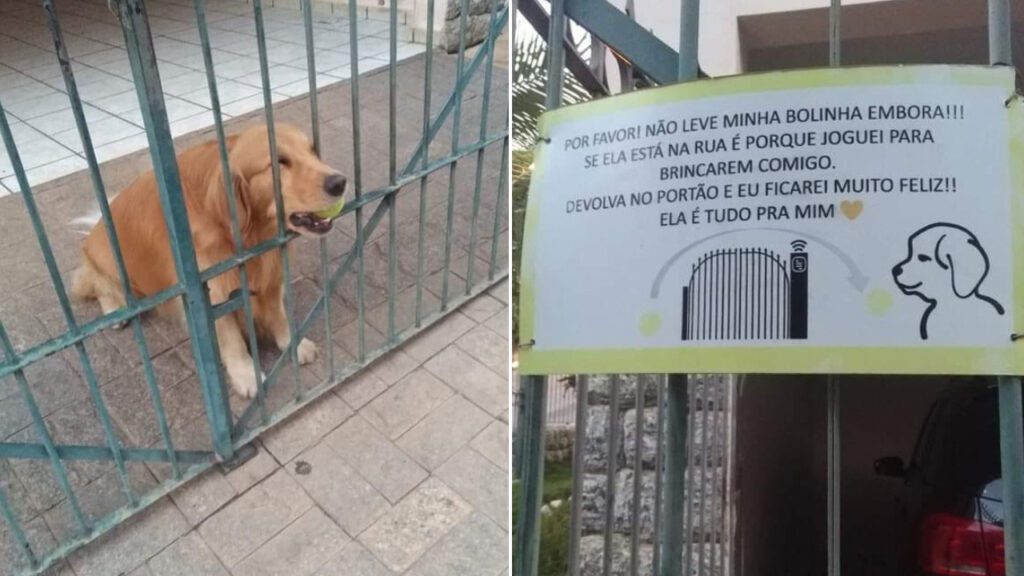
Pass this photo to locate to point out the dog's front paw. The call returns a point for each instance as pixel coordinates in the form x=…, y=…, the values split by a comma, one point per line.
x=307, y=351
x=243, y=380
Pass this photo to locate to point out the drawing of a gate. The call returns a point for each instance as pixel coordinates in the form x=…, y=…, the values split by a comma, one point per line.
x=747, y=294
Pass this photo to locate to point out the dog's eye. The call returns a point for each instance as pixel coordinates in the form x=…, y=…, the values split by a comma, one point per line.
x=924, y=258
x=284, y=161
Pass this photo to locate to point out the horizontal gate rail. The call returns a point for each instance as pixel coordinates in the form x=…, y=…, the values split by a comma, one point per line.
x=72, y=452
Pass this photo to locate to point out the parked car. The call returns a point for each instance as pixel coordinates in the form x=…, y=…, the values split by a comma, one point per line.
x=951, y=506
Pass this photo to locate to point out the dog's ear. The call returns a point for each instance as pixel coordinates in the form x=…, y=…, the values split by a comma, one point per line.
x=966, y=261
x=244, y=202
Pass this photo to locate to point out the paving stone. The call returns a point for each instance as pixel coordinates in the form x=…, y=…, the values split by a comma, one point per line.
x=492, y=443
x=360, y=389
x=466, y=374
x=339, y=490
x=250, y=521
x=98, y=499
x=253, y=471
x=481, y=308
x=392, y=472
x=417, y=523
x=393, y=366
x=443, y=432
x=499, y=324
x=439, y=336
x=476, y=546
x=306, y=428
x=203, y=496
x=487, y=347
x=480, y=482
x=500, y=291
x=406, y=403
x=310, y=542
x=12, y=561
x=131, y=543
x=189, y=556
x=354, y=560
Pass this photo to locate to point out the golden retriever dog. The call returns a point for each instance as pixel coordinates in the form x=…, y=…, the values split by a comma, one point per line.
x=307, y=185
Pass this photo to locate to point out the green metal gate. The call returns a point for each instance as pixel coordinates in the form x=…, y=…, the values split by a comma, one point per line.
x=231, y=432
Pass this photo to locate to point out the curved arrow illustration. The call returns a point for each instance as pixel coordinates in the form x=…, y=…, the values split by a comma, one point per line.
x=856, y=278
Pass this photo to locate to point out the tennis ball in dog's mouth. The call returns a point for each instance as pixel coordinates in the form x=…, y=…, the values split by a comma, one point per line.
x=331, y=212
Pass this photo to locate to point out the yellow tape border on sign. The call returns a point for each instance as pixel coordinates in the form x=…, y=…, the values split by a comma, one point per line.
x=791, y=359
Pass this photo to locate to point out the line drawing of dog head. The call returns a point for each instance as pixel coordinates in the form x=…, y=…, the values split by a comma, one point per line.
x=945, y=262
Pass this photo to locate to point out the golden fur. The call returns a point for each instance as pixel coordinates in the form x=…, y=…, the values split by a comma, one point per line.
x=138, y=220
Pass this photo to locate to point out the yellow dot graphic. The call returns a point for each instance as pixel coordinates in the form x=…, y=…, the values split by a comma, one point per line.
x=879, y=302
x=650, y=322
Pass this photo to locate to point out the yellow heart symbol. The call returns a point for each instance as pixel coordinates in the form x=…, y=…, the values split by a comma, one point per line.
x=851, y=208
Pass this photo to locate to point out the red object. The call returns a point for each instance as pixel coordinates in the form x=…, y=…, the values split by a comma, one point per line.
x=955, y=546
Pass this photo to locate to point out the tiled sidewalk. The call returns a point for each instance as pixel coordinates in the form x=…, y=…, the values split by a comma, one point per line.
x=33, y=93
x=401, y=471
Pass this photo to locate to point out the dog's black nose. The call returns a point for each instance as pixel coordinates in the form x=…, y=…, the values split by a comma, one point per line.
x=897, y=270
x=334, y=185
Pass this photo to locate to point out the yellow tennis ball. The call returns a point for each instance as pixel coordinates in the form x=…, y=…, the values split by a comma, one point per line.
x=331, y=212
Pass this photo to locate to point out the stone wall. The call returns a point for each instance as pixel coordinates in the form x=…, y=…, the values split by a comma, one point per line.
x=628, y=461
x=477, y=22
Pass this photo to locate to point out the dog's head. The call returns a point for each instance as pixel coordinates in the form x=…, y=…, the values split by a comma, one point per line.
x=308, y=185
x=943, y=261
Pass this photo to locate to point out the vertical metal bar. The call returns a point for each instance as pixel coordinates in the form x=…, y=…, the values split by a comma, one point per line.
x=200, y=320
x=229, y=191
x=691, y=465
x=612, y=464
x=328, y=332
x=60, y=472
x=1011, y=428
x=357, y=179
x=556, y=55
x=275, y=172
x=638, y=474
x=527, y=547
x=999, y=30
x=453, y=167
x=421, y=233
x=727, y=478
x=1011, y=443
x=314, y=106
x=488, y=73
x=65, y=305
x=392, y=198
x=578, y=471
x=689, y=28
x=498, y=208
x=718, y=461
x=677, y=408
x=834, y=480
x=702, y=530
x=15, y=528
x=659, y=441
x=835, y=29
x=730, y=482
x=115, y=244
x=677, y=405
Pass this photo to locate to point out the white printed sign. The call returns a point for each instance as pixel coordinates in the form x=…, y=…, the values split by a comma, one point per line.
x=818, y=221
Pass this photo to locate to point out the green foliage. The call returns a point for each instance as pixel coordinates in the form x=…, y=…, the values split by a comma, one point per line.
x=554, y=527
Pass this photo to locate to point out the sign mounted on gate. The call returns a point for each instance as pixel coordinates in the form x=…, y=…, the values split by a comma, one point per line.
x=859, y=220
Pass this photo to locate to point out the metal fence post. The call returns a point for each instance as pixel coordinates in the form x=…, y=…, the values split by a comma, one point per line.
x=669, y=533
x=527, y=545
x=1011, y=428
x=142, y=56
